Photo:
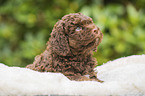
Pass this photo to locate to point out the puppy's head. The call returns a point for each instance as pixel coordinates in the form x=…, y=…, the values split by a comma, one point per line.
x=75, y=33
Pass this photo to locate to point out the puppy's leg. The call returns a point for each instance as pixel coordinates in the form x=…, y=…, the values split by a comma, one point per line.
x=31, y=66
x=85, y=78
x=93, y=76
x=79, y=78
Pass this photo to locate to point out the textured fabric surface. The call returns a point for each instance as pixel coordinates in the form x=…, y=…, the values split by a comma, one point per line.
x=124, y=76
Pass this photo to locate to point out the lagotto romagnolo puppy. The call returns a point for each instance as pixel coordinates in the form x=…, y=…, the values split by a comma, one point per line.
x=69, y=49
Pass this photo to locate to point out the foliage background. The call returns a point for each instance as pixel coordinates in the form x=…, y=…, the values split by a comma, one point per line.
x=25, y=27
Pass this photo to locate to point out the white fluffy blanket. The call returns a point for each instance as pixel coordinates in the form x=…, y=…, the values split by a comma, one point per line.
x=124, y=76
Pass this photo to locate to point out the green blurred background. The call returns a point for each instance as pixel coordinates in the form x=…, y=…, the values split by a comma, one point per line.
x=25, y=27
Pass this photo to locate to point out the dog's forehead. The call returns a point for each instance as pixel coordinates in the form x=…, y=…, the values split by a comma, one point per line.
x=78, y=16
x=86, y=19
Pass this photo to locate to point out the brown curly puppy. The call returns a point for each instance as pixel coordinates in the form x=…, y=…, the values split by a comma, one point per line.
x=69, y=49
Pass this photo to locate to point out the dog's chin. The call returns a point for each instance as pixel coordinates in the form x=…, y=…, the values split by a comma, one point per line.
x=83, y=48
x=93, y=43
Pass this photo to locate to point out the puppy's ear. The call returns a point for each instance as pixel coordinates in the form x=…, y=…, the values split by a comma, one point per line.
x=58, y=39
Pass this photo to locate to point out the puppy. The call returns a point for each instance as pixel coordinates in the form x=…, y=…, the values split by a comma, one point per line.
x=69, y=49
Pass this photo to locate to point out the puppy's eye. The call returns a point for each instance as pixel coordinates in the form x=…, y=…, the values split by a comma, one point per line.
x=78, y=28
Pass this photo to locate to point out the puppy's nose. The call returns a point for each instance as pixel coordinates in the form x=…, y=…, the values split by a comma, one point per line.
x=95, y=30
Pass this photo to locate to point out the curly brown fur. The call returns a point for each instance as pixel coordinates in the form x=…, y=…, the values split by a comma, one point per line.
x=69, y=49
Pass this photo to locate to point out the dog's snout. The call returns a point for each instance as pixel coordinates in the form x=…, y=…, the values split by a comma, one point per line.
x=95, y=30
